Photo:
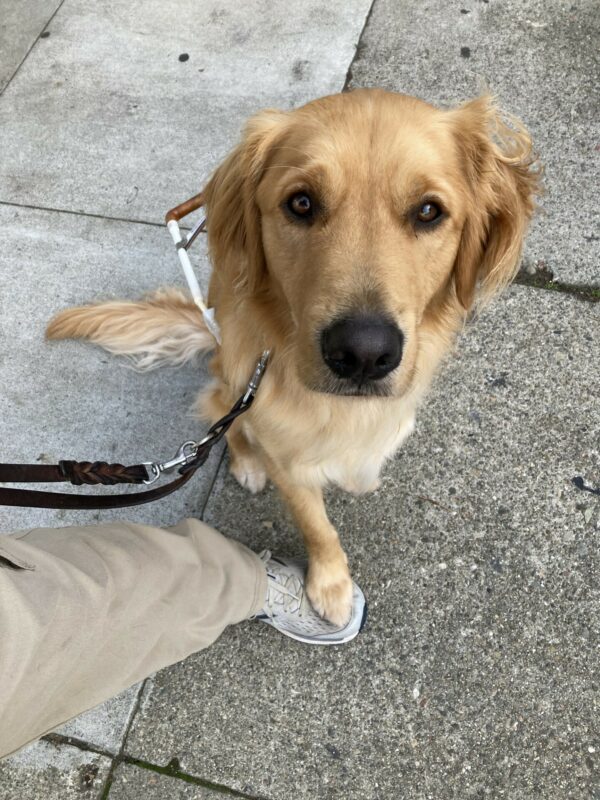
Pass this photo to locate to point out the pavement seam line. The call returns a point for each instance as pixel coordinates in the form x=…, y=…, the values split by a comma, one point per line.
x=33, y=44
x=587, y=294
x=118, y=759
x=173, y=770
x=85, y=214
x=58, y=739
x=213, y=483
x=357, y=48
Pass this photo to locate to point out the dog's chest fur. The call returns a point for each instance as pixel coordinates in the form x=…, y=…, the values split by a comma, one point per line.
x=340, y=441
x=355, y=464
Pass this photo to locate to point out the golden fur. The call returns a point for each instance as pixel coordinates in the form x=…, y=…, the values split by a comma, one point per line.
x=370, y=157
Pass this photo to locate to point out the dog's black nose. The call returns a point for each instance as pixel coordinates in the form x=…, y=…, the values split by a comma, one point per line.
x=362, y=347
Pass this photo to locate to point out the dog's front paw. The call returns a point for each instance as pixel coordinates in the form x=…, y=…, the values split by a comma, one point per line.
x=329, y=589
x=249, y=472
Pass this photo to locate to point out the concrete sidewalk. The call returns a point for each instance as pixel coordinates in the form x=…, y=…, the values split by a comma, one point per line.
x=477, y=676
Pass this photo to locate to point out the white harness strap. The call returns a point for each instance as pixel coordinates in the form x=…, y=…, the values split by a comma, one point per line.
x=181, y=246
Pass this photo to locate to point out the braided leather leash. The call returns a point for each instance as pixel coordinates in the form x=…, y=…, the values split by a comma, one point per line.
x=189, y=457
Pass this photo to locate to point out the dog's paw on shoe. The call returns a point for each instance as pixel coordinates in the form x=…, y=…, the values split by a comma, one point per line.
x=329, y=589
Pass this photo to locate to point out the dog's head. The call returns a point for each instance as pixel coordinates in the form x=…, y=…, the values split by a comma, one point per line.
x=369, y=217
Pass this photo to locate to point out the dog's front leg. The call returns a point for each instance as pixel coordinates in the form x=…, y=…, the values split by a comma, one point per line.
x=328, y=584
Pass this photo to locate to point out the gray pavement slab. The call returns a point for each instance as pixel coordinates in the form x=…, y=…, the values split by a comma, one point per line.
x=45, y=771
x=104, y=726
x=20, y=26
x=540, y=57
x=477, y=675
x=71, y=399
x=108, y=118
x=133, y=783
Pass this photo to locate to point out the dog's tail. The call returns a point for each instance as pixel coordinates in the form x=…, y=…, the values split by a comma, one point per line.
x=165, y=328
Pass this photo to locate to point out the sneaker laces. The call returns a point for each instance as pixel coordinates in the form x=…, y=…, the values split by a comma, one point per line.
x=285, y=593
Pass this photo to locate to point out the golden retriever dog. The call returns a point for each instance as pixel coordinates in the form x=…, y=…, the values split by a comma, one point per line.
x=351, y=237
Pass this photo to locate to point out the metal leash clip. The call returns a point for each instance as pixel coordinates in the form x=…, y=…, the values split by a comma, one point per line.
x=186, y=453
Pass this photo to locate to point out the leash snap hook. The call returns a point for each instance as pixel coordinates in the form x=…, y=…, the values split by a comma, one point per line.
x=186, y=453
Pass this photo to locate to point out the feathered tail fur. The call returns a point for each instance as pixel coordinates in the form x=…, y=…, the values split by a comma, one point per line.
x=164, y=328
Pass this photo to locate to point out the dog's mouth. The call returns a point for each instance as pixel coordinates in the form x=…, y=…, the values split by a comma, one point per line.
x=351, y=388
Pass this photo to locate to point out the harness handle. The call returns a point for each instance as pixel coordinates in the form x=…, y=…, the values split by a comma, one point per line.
x=182, y=245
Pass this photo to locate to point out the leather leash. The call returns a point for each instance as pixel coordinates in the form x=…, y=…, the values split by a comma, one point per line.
x=189, y=457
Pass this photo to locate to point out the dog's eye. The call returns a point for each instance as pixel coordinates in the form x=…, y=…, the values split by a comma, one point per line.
x=300, y=205
x=429, y=212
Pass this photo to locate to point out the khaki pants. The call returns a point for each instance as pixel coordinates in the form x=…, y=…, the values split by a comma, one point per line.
x=87, y=612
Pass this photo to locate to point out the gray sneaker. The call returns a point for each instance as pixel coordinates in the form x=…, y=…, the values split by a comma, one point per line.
x=288, y=608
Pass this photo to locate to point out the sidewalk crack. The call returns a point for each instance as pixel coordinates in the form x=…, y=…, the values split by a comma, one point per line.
x=358, y=49
x=59, y=739
x=120, y=757
x=213, y=483
x=589, y=294
x=33, y=44
x=106, y=217
x=173, y=770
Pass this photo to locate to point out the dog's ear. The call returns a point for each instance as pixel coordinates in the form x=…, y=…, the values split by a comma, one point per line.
x=234, y=225
x=503, y=177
